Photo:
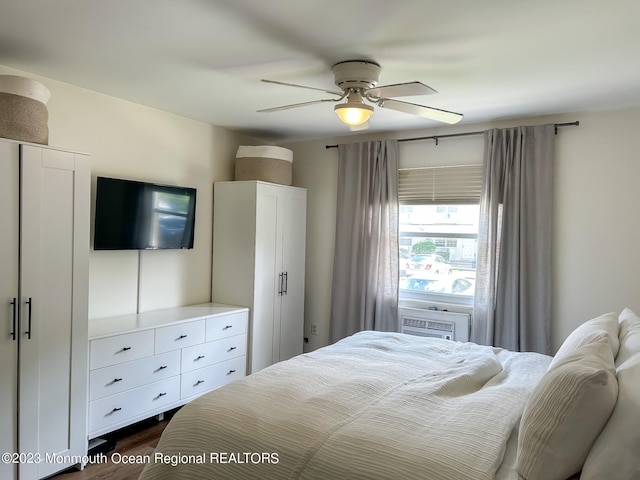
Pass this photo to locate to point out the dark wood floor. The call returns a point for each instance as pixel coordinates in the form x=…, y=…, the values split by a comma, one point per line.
x=139, y=439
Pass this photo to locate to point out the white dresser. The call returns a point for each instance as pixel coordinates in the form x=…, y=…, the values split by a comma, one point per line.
x=145, y=364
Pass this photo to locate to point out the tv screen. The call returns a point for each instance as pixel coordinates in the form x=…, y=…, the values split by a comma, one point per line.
x=134, y=215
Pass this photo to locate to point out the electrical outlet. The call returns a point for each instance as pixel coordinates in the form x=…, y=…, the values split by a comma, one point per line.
x=314, y=329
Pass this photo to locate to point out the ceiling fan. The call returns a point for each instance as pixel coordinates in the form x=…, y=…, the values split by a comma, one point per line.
x=358, y=80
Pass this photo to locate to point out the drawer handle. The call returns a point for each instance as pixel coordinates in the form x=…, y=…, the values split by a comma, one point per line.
x=124, y=349
x=162, y=367
x=198, y=383
x=199, y=357
x=231, y=349
x=227, y=327
x=161, y=394
x=230, y=372
x=182, y=336
x=116, y=380
x=116, y=409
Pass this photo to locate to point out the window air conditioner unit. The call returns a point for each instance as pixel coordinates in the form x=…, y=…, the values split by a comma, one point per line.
x=435, y=323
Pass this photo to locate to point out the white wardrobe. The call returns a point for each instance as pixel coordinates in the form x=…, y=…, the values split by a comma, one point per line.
x=44, y=255
x=259, y=234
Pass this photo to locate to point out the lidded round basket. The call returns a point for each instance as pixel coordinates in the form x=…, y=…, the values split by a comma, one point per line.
x=23, y=109
x=267, y=163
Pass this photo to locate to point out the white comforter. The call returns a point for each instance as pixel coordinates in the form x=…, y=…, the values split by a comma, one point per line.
x=372, y=406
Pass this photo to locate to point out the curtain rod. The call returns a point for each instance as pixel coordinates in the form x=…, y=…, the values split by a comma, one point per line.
x=466, y=134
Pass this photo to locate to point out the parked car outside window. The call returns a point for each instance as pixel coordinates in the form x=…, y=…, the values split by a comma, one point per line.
x=433, y=283
x=432, y=263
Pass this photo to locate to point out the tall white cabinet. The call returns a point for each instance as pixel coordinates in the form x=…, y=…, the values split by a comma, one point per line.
x=44, y=255
x=259, y=233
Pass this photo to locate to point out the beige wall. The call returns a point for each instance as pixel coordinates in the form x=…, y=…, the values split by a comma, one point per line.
x=596, y=224
x=132, y=141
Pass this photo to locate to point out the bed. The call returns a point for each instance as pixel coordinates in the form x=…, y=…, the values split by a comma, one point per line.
x=390, y=406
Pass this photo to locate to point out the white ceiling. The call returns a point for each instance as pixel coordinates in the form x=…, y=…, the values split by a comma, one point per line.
x=203, y=59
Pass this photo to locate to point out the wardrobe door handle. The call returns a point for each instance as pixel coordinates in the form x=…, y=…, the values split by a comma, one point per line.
x=14, y=303
x=280, y=280
x=28, y=332
x=286, y=282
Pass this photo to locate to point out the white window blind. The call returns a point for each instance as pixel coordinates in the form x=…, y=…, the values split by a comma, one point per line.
x=440, y=185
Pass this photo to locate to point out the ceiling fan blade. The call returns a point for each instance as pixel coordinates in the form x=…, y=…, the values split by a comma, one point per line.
x=296, y=105
x=420, y=110
x=401, y=90
x=341, y=94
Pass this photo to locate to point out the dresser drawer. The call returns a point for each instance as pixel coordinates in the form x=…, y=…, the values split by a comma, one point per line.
x=122, y=406
x=205, y=379
x=209, y=353
x=179, y=336
x=226, y=325
x=121, y=348
x=124, y=376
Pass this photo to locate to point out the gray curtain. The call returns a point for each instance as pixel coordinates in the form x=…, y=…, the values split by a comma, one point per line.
x=365, y=266
x=513, y=278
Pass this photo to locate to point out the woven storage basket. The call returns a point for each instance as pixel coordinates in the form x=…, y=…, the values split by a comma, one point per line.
x=266, y=163
x=23, y=109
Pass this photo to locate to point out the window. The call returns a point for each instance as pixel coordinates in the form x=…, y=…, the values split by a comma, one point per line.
x=438, y=226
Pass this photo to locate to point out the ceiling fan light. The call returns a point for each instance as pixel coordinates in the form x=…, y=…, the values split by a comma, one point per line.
x=353, y=113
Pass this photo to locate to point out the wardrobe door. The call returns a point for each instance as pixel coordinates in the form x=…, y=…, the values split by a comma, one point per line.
x=53, y=356
x=268, y=279
x=9, y=303
x=293, y=214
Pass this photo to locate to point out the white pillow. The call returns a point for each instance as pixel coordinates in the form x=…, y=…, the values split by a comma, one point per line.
x=587, y=333
x=566, y=413
x=616, y=453
x=629, y=335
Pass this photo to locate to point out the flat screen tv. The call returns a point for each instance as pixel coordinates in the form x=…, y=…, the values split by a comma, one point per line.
x=133, y=215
